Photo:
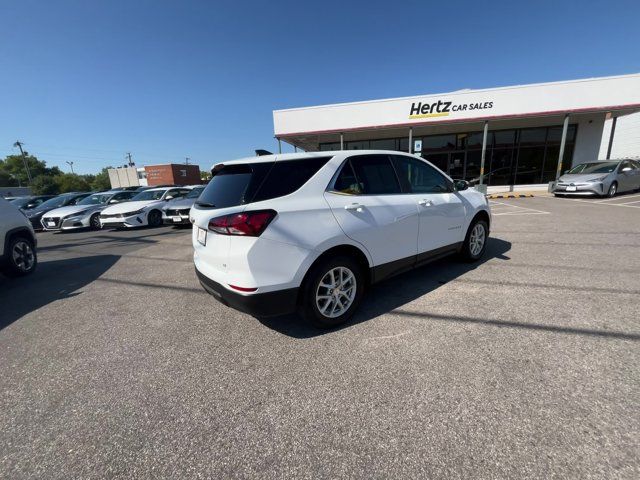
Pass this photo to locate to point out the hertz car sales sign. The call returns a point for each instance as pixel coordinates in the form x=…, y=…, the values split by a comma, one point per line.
x=444, y=108
x=590, y=95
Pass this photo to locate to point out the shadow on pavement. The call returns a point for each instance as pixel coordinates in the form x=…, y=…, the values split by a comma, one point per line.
x=52, y=280
x=394, y=293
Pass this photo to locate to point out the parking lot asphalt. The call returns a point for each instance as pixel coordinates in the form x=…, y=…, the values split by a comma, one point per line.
x=115, y=363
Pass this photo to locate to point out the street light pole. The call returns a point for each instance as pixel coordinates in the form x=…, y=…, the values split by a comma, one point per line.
x=24, y=159
x=71, y=165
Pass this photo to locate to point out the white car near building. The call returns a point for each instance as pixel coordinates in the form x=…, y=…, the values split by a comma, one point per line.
x=309, y=232
x=145, y=209
x=85, y=213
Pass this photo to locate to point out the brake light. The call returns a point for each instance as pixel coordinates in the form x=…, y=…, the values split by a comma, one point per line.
x=248, y=224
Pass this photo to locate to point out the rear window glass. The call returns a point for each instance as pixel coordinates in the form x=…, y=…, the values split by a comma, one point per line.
x=288, y=176
x=253, y=182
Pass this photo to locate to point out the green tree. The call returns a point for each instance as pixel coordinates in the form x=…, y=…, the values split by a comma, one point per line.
x=12, y=169
x=101, y=181
x=71, y=182
x=45, y=185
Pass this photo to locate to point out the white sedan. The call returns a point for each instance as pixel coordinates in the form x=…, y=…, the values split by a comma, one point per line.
x=145, y=209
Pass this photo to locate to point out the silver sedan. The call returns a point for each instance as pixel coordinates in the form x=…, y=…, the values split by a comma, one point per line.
x=600, y=178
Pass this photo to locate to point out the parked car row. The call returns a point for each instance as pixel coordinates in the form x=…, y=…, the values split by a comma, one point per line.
x=126, y=207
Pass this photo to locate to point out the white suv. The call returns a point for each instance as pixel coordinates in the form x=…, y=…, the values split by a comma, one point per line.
x=309, y=232
x=17, y=241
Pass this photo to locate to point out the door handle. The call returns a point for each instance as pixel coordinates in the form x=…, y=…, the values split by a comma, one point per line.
x=354, y=207
x=425, y=203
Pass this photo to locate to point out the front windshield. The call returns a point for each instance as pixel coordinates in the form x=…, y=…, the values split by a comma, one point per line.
x=20, y=202
x=55, y=202
x=594, y=167
x=149, y=195
x=195, y=193
x=97, y=199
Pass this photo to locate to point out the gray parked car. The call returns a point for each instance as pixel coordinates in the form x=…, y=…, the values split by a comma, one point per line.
x=176, y=212
x=85, y=213
x=600, y=178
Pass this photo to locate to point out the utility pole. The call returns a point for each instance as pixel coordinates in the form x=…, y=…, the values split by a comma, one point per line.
x=186, y=160
x=128, y=155
x=24, y=158
x=71, y=165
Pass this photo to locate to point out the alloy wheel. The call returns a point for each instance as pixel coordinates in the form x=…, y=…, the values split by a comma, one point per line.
x=23, y=256
x=477, y=239
x=336, y=292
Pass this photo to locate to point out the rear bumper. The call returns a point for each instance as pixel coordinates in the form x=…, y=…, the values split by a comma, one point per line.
x=279, y=302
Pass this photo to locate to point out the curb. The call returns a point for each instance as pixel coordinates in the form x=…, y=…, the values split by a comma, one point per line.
x=509, y=195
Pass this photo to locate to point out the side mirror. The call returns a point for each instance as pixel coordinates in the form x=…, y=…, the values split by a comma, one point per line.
x=626, y=169
x=112, y=201
x=169, y=197
x=29, y=206
x=461, y=185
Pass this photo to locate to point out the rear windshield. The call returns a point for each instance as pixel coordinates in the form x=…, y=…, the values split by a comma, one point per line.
x=254, y=182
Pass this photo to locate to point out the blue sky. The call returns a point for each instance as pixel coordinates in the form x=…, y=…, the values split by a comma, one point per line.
x=88, y=81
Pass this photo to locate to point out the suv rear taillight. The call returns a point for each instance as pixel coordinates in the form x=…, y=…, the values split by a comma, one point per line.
x=248, y=224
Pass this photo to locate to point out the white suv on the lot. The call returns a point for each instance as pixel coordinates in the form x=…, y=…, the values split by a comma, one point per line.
x=17, y=241
x=309, y=232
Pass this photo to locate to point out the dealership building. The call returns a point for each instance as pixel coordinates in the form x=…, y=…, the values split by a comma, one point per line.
x=518, y=133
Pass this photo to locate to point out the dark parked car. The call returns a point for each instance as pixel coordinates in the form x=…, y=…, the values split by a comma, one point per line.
x=35, y=214
x=28, y=203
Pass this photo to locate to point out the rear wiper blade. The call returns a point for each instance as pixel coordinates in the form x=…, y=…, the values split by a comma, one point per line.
x=205, y=204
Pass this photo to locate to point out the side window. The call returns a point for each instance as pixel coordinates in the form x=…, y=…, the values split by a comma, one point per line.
x=636, y=165
x=122, y=196
x=346, y=182
x=175, y=193
x=375, y=174
x=419, y=177
x=287, y=176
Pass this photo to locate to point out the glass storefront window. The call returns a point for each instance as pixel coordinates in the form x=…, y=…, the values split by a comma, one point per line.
x=474, y=140
x=459, y=155
x=555, y=134
x=472, y=172
x=503, y=138
x=533, y=136
x=361, y=145
x=439, y=142
x=326, y=147
x=499, y=171
x=530, y=161
x=384, y=144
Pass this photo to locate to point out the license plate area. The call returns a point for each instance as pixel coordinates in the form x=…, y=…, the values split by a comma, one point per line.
x=202, y=236
x=571, y=189
x=177, y=219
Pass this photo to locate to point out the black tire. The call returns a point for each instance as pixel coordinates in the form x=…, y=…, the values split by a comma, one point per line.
x=155, y=218
x=613, y=189
x=309, y=309
x=21, y=255
x=94, y=222
x=469, y=252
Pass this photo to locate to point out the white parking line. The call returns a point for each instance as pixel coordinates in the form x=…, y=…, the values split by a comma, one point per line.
x=595, y=202
x=617, y=198
x=508, y=209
